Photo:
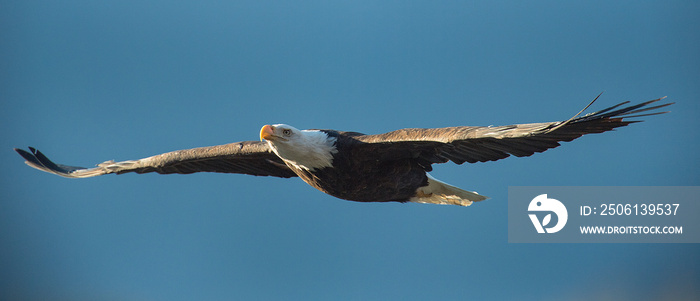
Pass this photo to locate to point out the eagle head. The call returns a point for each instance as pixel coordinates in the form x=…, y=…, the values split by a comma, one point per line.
x=307, y=149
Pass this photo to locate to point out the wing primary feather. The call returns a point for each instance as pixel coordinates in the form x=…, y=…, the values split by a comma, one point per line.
x=579, y=113
x=608, y=109
x=48, y=163
x=648, y=109
x=623, y=111
x=29, y=157
x=643, y=115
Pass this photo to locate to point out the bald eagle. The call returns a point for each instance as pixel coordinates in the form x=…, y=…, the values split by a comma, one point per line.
x=386, y=167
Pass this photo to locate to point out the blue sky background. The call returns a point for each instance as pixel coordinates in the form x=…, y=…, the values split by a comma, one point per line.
x=89, y=81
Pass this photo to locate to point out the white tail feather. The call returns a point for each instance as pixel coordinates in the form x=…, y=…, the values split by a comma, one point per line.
x=437, y=192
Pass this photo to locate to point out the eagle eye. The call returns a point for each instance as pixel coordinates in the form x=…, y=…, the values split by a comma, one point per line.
x=287, y=132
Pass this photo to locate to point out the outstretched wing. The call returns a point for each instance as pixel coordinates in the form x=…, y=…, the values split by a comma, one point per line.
x=481, y=144
x=247, y=157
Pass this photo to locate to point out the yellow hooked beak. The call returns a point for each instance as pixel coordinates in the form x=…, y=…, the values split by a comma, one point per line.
x=267, y=132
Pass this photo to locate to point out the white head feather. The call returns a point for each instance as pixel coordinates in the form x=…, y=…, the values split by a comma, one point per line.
x=307, y=149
